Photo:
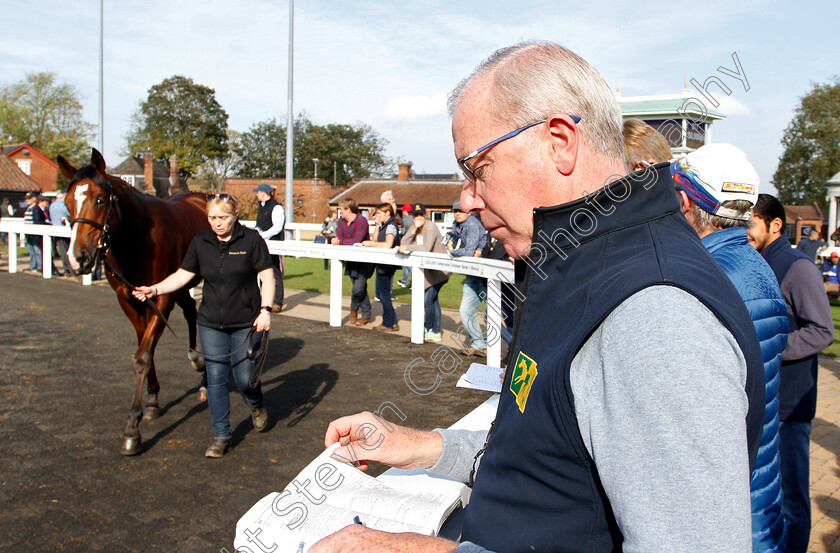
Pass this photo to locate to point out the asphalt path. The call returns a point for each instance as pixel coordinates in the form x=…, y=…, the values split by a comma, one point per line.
x=66, y=384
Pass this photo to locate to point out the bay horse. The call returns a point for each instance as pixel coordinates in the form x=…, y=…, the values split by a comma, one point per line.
x=140, y=239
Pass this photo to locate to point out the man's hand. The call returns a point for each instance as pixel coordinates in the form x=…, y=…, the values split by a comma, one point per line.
x=366, y=437
x=335, y=241
x=359, y=539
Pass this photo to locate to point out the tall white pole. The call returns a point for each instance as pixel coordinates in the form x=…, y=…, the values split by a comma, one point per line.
x=290, y=132
x=101, y=77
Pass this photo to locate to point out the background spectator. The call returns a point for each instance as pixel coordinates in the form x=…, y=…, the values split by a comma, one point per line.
x=271, y=224
x=643, y=145
x=34, y=215
x=468, y=240
x=812, y=245
x=425, y=237
x=353, y=229
x=408, y=222
x=60, y=217
x=830, y=271
x=387, y=236
x=810, y=330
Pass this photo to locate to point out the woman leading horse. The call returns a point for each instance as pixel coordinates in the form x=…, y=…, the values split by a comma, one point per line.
x=230, y=258
x=138, y=238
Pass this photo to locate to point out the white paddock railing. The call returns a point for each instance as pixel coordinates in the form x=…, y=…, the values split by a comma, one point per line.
x=17, y=229
x=494, y=271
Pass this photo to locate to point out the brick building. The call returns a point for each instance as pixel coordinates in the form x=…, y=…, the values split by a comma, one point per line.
x=144, y=172
x=35, y=165
x=311, y=197
x=437, y=192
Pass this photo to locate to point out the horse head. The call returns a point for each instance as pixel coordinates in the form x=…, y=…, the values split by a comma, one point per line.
x=94, y=211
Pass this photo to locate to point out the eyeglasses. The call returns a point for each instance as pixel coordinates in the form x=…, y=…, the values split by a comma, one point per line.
x=223, y=197
x=462, y=161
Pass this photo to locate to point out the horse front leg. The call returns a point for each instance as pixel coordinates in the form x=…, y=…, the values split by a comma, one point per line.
x=187, y=304
x=142, y=364
x=151, y=410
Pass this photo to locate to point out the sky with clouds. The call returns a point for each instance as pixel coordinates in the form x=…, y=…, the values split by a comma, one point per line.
x=391, y=64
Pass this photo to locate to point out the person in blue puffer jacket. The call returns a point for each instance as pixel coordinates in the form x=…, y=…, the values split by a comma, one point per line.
x=717, y=188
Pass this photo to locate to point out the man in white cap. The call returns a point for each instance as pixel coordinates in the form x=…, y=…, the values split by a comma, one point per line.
x=717, y=188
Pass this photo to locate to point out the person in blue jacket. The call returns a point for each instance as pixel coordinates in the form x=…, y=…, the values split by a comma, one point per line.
x=717, y=188
x=810, y=330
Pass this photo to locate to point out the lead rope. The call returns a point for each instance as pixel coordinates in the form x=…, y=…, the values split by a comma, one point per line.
x=261, y=353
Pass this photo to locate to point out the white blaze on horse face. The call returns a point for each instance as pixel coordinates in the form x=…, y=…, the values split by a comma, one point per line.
x=79, y=194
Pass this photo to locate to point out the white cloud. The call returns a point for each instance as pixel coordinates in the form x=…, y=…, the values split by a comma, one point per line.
x=412, y=108
x=731, y=106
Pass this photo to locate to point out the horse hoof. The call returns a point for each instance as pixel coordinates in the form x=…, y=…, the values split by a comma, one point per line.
x=197, y=362
x=202, y=395
x=130, y=446
x=151, y=413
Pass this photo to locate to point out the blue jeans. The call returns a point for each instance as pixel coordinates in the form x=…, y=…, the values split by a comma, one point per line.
x=384, y=283
x=794, y=444
x=36, y=256
x=432, y=319
x=475, y=289
x=217, y=345
x=406, y=275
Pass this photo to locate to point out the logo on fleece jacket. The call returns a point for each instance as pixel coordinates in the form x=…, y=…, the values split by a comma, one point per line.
x=524, y=374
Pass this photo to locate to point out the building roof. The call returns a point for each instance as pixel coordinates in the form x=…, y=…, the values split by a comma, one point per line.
x=12, y=149
x=667, y=106
x=12, y=178
x=133, y=165
x=438, y=176
x=433, y=193
x=811, y=212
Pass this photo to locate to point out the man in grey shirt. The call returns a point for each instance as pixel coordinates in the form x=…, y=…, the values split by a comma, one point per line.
x=658, y=392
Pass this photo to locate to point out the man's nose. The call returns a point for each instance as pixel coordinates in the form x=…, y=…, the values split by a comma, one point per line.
x=470, y=200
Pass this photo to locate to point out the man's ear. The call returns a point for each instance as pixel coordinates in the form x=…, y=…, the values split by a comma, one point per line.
x=776, y=225
x=564, y=140
x=685, y=203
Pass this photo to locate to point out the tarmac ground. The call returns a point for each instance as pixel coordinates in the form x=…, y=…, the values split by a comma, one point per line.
x=65, y=384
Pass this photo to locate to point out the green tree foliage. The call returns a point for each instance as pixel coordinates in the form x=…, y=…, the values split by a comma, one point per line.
x=46, y=113
x=211, y=174
x=812, y=147
x=356, y=151
x=180, y=117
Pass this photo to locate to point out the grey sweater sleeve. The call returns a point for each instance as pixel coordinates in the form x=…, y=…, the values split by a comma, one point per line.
x=459, y=450
x=804, y=294
x=660, y=403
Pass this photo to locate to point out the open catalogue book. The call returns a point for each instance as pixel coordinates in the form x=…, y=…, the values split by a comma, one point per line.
x=328, y=495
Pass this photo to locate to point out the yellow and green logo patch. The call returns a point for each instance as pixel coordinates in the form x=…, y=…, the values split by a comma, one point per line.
x=524, y=374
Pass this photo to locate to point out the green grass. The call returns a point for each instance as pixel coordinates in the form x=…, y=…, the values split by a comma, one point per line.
x=834, y=349
x=309, y=274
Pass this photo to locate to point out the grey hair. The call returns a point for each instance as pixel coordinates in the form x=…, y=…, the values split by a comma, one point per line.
x=532, y=80
x=706, y=220
x=386, y=194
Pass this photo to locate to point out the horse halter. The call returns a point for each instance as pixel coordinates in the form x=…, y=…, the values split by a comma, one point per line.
x=104, y=241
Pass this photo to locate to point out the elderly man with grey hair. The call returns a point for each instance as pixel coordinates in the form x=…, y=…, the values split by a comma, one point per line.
x=631, y=411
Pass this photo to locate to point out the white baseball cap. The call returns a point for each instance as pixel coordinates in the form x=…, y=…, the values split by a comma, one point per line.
x=714, y=174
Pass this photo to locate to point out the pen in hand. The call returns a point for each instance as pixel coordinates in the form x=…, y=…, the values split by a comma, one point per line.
x=356, y=520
